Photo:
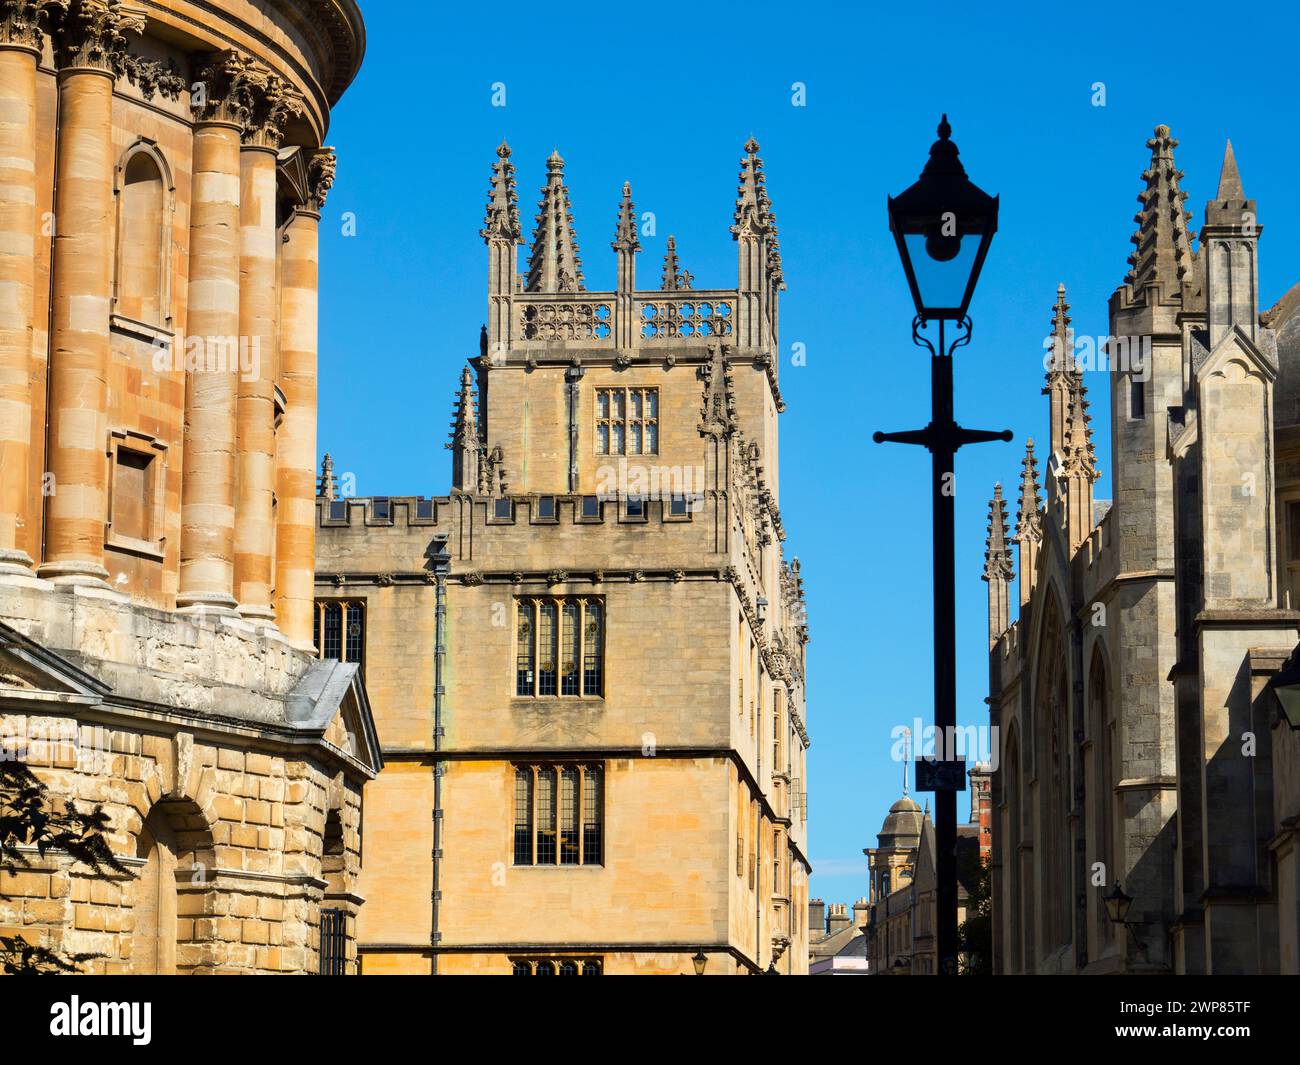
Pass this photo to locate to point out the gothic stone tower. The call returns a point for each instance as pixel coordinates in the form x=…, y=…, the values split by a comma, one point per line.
x=587, y=660
x=1139, y=741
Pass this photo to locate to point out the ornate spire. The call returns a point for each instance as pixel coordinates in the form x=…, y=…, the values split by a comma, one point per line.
x=1163, y=240
x=1062, y=362
x=675, y=279
x=1029, y=522
x=327, y=485
x=555, y=265
x=466, y=442
x=1077, y=450
x=753, y=208
x=997, y=555
x=1063, y=373
x=502, y=221
x=625, y=237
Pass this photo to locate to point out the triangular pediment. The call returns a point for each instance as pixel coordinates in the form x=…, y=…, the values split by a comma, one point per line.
x=27, y=668
x=330, y=700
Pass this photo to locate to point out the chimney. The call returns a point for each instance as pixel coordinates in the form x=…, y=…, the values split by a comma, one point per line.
x=838, y=920
x=860, y=910
x=816, y=919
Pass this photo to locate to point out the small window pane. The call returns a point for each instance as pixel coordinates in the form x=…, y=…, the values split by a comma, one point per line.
x=546, y=507
x=593, y=648
x=333, y=631
x=338, y=510
x=618, y=446
x=548, y=649
x=356, y=632
x=546, y=811
x=424, y=508
x=651, y=438
x=381, y=509
x=545, y=968
x=568, y=968
x=523, y=817
x=524, y=651
x=569, y=651
x=592, y=817
x=569, y=816
x=503, y=509
x=591, y=506
x=591, y=968
x=652, y=403
x=635, y=507
x=634, y=447
x=677, y=506
x=602, y=438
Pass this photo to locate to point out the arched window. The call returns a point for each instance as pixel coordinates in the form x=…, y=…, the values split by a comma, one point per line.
x=154, y=944
x=142, y=289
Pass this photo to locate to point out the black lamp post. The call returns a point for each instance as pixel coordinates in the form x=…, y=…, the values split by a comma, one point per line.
x=943, y=226
x=701, y=962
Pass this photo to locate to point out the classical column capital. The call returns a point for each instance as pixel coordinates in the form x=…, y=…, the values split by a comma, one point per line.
x=234, y=88
x=321, y=168
x=20, y=24
x=91, y=34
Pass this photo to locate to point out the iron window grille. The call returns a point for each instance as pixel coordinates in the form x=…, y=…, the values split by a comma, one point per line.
x=333, y=943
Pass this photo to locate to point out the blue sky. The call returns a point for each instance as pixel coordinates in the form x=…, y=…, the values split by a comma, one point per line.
x=667, y=103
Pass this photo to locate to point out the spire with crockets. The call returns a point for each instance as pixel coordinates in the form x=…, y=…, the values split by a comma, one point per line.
x=555, y=264
x=998, y=570
x=466, y=442
x=1029, y=523
x=675, y=279
x=1062, y=370
x=1164, y=243
x=502, y=221
x=327, y=485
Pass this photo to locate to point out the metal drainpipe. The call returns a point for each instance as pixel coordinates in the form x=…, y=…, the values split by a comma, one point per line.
x=573, y=375
x=441, y=567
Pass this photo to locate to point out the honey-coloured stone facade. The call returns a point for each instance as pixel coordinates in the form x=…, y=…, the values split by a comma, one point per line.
x=162, y=178
x=693, y=711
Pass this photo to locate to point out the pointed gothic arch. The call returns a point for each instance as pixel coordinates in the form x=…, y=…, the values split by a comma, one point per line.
x=1052, y=773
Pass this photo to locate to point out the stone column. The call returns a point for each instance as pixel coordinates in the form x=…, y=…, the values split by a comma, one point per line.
x=296, y=458
x=212, y=343
x=89, y=37
x=272, y=102
x=20, y=46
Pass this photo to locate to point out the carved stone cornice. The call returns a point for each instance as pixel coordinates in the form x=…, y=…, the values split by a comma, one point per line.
x=236, y=89
x=20, y=24
x=91, y=34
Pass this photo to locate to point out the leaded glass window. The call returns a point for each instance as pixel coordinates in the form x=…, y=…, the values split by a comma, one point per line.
x=559, y=648
x=627, y=421
x=559, y=815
